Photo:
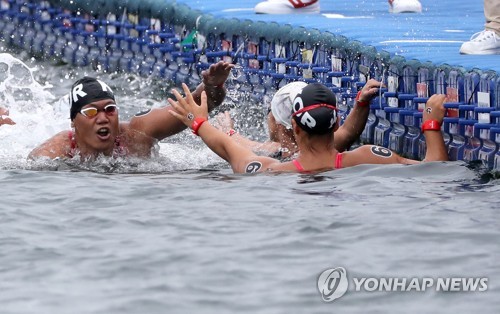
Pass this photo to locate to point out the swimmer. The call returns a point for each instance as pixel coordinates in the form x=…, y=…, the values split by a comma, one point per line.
x=314, y=120
x=97, y=129
x=4, y=117
x=282, y=144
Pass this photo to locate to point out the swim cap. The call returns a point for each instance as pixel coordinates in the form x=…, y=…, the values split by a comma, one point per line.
x=85, y=91
x=281, y=104
x=314, y=109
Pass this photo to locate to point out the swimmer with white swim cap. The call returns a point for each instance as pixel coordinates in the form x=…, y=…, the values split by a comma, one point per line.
x=282, y=144
x=314, y=122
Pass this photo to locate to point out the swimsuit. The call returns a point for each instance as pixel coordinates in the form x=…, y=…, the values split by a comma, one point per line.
x=338, y=163
x=118, y=151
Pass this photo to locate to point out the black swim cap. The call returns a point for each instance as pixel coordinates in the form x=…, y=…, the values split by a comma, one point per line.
x=314, y=109
x=85, y=91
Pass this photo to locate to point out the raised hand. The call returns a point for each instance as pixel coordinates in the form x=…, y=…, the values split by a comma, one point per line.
x=370, y=90
x=186, y=109
x=434, y=108
x=216, y=74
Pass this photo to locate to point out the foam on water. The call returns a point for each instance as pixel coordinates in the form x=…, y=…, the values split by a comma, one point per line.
x=30, y=107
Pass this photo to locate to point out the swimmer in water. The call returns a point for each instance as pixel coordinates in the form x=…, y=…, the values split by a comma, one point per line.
x=314, y=120
x=281, y=144
x=97, y=129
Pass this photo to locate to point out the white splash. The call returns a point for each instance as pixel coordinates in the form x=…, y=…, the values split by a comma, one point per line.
x=30, y=107
x=39, y=116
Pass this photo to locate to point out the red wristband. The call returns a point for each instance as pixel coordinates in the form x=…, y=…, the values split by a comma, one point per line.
x=361, y=103
x=197, y=124
x=231, y=132
x=431, y=125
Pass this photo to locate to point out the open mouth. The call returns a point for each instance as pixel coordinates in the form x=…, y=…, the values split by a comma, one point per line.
x=104, y=133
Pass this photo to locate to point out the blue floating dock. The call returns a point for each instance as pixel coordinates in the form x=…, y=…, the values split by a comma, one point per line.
x=434, y=35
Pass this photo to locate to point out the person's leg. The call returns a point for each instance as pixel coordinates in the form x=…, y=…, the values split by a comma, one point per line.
x=492, y=15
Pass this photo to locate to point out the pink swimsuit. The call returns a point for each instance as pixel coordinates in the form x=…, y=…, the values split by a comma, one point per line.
x=338, y=163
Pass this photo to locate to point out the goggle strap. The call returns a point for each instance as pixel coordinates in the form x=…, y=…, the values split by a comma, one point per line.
x=312, y=107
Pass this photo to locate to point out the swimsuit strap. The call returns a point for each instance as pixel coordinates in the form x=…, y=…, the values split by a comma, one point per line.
x=72, y=144
x=71, y=140
x=119, y=150
x=338, y=161
x=297, y=165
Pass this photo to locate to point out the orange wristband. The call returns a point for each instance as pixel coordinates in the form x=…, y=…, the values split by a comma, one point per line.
x=197, y=124
x=361, y=103
x=431, y=125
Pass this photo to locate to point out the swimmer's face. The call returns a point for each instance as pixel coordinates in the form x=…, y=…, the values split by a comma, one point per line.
x=97, y=134
x=273, y=128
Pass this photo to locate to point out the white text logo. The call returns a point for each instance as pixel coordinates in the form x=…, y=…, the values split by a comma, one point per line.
x=333, y=284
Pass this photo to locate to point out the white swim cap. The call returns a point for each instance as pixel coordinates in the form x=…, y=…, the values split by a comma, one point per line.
x=281, y=104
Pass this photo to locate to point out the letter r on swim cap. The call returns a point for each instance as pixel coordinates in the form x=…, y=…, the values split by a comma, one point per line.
x=308, y=120
x=78, y=91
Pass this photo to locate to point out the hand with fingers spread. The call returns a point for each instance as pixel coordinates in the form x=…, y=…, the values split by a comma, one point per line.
x=186, y=109
x=216, y=74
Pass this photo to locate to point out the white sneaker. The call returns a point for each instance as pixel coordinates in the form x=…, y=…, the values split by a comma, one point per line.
x=405, y=6
x=287, y=7
x=482, y=43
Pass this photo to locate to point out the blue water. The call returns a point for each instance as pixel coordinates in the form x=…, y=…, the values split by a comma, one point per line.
x=182, y=234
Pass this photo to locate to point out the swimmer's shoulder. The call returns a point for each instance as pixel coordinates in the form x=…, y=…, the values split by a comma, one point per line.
x=135, y=141
x=58, y=146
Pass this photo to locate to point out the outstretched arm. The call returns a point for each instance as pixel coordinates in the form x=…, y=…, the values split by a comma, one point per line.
x=431, y=126
x=225, y=124
x=436, y=150
x=159, y=123
x=213, y=84
x=355, y=122
x=187, y=111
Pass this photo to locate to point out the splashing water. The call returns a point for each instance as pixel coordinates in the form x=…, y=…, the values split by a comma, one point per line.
x=29, y=105
x=39, y=115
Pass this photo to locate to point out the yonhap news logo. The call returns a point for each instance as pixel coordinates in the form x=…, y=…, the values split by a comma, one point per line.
x=333, y=283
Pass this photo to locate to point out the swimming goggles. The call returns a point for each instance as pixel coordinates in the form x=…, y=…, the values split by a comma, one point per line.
x=91, y=112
